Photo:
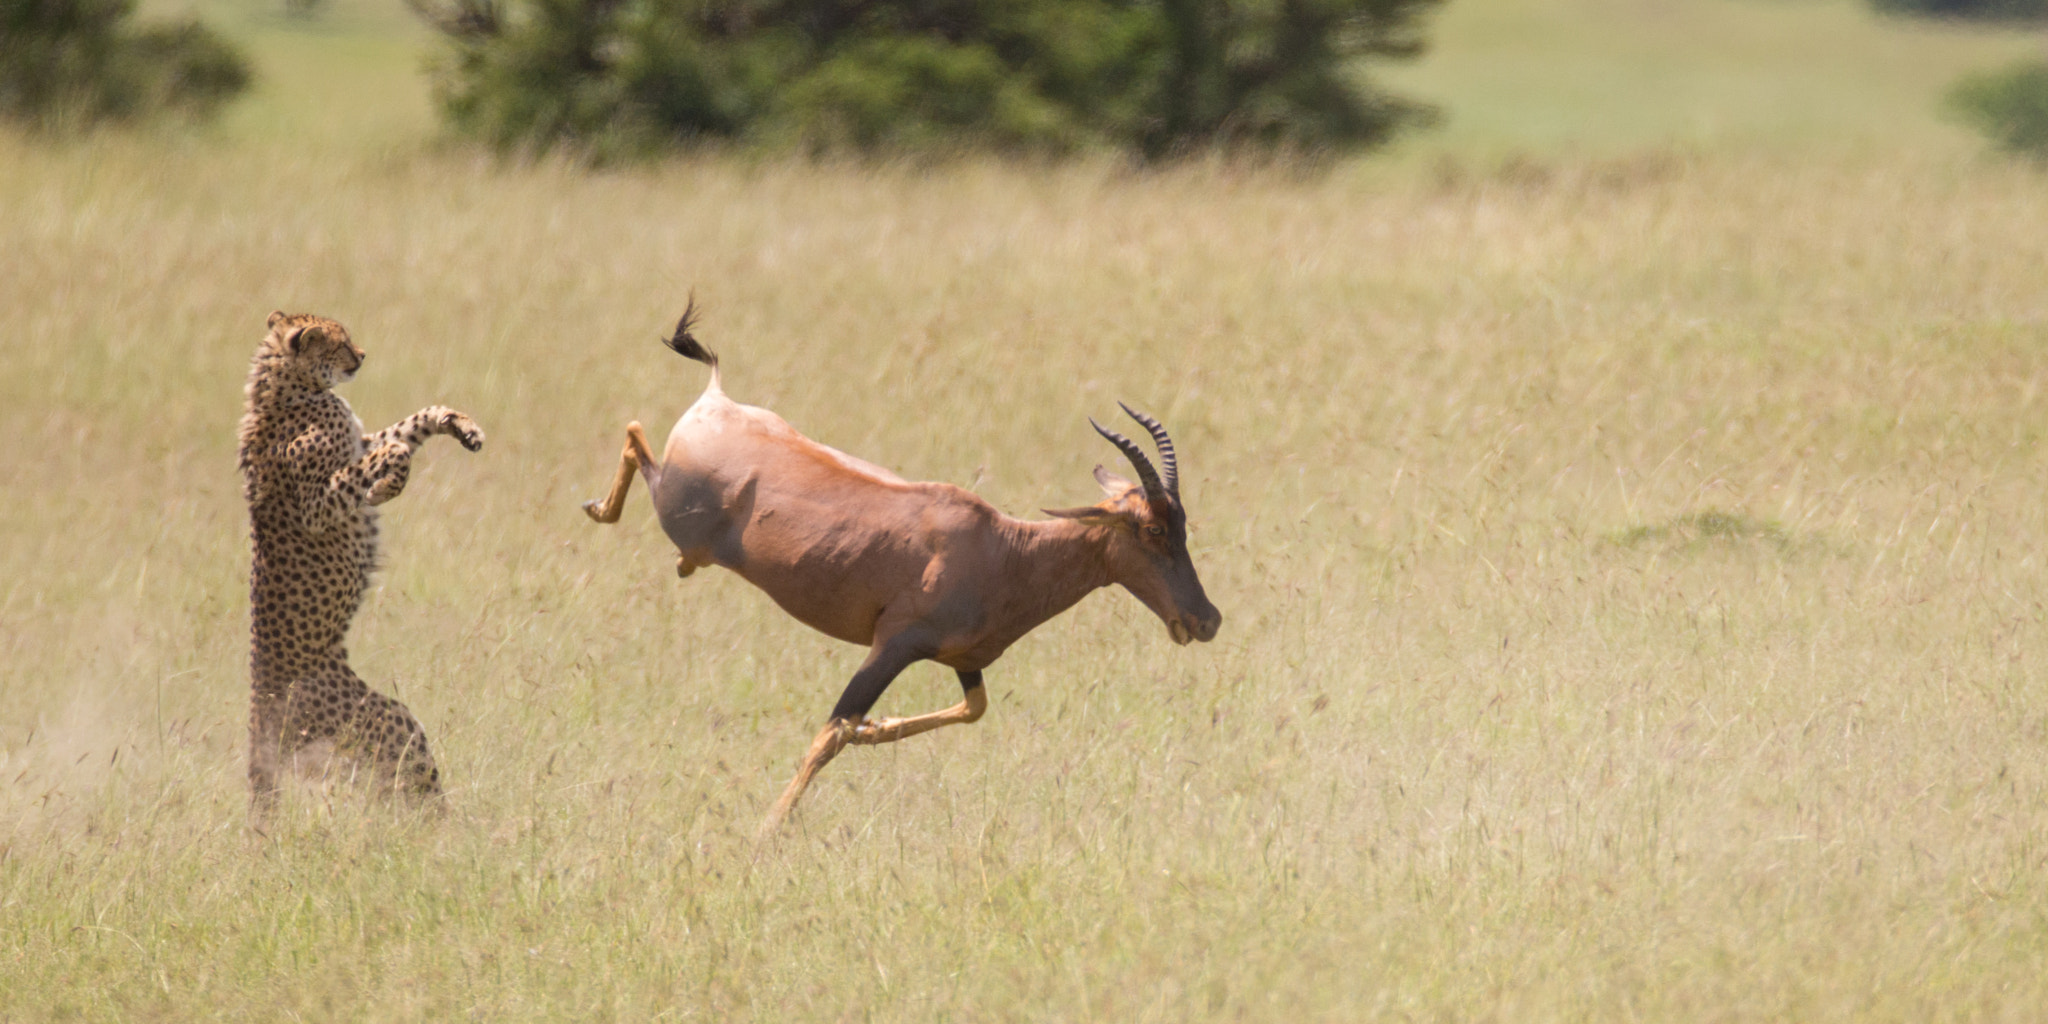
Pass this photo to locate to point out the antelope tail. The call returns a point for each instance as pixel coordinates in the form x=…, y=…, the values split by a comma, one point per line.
x=686, y=344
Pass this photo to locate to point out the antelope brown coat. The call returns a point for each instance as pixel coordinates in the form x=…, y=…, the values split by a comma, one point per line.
x=915, y=571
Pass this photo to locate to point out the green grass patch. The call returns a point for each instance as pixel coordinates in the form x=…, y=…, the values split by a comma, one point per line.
x=1602, y=77
x=1705, y=530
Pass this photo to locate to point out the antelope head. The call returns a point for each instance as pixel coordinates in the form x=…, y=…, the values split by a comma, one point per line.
x=1148, y=534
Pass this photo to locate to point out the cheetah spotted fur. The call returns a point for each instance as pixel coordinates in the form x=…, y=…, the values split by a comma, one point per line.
x=312, y=479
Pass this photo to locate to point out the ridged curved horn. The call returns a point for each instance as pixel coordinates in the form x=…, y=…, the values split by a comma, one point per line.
x=1168, y=466
x=1147, y=476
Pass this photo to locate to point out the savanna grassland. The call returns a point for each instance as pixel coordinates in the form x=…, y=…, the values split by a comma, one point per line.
x=1631, y=553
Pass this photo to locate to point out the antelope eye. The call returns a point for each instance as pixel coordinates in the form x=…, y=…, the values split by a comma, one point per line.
x=1155, y=529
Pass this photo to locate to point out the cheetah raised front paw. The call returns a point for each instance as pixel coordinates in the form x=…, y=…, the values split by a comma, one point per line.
x=460, y=427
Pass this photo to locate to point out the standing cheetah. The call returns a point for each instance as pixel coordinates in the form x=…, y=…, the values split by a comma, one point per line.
x=311, y=477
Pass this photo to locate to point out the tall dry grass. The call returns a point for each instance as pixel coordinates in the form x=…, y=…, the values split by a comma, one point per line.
x=1631, y=574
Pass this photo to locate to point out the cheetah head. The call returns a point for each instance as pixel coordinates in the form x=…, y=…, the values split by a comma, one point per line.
x=319, y=345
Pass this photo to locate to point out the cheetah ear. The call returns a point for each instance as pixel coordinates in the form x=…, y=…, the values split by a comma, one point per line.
x=275, y=316
x=294, y=337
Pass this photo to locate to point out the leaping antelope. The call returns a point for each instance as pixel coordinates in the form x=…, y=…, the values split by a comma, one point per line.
x=917, y=571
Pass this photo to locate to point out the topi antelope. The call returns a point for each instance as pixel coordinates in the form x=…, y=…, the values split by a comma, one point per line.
x=916, y=571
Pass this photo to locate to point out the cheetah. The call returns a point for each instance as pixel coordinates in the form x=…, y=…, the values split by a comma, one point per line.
x=312, y=479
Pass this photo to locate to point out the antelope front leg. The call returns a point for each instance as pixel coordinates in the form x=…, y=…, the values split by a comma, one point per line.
x=889, y=730
x=636, y=456
x=840, y=733
x=832, y=739
x=885, y=662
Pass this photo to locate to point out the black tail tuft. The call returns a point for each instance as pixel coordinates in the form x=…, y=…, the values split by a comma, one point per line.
x=686, y=344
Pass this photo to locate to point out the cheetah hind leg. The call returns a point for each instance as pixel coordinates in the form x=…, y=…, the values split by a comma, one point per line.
x=266, y=752
x=397, y=748
x=382, y=734
x=285, y=741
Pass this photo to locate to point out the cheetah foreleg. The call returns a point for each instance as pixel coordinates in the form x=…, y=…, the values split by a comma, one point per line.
x=387, y=468
x=327, y=503
x=389, y=463
x=414, y=430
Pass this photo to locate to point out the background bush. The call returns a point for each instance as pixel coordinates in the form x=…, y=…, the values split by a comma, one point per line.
x=67, y=63
x=2010, y=106
x=1982, y=10
x=612, y=77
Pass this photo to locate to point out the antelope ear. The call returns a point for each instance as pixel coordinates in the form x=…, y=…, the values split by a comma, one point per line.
x=1092, y=515
x=1112, y=484
x=275, y=316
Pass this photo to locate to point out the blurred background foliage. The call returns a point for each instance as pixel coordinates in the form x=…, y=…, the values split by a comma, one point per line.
x=610, y=78
x=2009, y=106
x=602, y=81
x=1970, y=10
x=71, y=63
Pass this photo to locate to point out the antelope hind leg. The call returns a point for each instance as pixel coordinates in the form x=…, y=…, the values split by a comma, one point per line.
x=635, y=457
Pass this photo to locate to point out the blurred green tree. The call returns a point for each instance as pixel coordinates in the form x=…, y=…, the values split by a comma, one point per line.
x=610, y=78
x=2009, y=106
x=72, y=63
x=1971, y=10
